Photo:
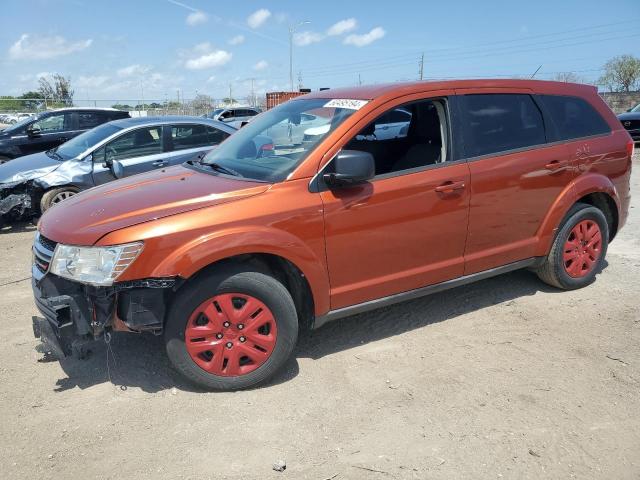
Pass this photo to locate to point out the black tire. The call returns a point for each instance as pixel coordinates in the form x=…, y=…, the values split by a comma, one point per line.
x=553, y=271
x=56, y=195
x=231, y=280
x=4, y=159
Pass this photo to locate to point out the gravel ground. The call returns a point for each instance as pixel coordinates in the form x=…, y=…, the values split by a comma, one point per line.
x=506, y=378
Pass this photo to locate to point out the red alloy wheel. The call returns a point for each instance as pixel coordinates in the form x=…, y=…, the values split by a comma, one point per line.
x=582, y=249
x=231, y=334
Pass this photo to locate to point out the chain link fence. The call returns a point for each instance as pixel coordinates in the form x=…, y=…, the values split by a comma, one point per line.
x=13, y=110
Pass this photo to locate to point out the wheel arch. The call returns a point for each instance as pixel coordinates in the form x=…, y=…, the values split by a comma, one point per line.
x=592, y=189
x=278, y=267
x=275, y=251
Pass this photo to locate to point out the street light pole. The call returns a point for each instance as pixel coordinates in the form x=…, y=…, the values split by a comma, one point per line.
x=292, y=29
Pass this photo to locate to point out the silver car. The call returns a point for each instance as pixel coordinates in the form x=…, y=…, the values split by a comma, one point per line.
x=31, y=184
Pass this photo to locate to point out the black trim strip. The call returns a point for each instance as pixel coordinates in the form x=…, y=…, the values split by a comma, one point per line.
x=420, y=292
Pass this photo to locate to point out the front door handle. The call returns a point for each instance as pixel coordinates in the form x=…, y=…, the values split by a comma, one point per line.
x=555, y=165
x=449, y=187
x=160, y=163
x=63, y=139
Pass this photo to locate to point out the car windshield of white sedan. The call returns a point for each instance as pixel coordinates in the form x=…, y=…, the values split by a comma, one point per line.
x=274, y=143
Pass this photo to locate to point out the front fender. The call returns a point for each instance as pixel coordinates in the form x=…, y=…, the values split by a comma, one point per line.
x=580, y=187
x=202, y=251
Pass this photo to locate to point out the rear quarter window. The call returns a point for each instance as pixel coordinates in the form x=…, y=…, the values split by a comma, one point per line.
x=574, y=117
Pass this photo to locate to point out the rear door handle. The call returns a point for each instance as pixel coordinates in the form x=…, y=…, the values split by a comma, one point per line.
x=555, y=165
x=448, y=187
x=159, y=163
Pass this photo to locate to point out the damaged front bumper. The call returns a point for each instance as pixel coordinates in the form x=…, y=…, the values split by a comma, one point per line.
x=16, y=201
x=76, y=314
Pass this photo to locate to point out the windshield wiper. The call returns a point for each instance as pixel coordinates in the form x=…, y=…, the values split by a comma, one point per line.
x=219, y=168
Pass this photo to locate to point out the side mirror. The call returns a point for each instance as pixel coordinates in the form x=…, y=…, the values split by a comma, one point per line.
x=116, y=168
x=351, y=167
x=33, y=130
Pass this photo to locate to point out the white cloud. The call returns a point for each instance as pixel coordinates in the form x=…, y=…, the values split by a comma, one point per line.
x=211, y=79
x=366, y=38
x=237, y=40
x=206, y=56
x=257, y=18
x=196, y=18
x=342, y=27
x=34, y=47
x=261, y=65
x=95, y=81
x=133, y=71
x=303, y=39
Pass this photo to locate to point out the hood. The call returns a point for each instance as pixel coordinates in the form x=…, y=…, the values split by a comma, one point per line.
x=629, y=116
x=84, y=218
x=28, y=167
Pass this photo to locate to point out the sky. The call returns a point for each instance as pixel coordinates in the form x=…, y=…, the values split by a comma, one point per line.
x=128, y=50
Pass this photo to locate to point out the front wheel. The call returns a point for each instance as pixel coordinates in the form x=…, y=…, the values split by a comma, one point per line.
x=231, y=330
x=578, y=251
x=57, y=195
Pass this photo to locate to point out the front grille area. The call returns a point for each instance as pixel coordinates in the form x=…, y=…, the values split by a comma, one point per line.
x=631, y=124
x=43, y=249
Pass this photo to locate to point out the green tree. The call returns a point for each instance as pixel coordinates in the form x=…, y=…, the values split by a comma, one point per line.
x=32, y=100
x=621, y=74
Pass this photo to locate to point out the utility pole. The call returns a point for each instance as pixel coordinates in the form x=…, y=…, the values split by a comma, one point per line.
x=292, y=29
x=300, y=79
x=253, y=94
x=421, y=69
x=359, y=80
x=230, y=95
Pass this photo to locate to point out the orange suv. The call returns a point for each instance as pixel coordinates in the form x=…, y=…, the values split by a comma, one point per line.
x=386, y=193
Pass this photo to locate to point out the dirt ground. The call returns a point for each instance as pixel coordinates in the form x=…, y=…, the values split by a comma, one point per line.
x=506, y=378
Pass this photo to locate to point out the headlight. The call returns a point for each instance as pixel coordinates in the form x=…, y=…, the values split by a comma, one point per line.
x=94, y=265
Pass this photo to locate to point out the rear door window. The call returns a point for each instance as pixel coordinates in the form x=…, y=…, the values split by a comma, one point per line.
x=87, y=120
x=574, y=117
x=494, y=123
x=195, y=136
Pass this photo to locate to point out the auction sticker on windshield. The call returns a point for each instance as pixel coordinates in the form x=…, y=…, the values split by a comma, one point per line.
x=346, y=103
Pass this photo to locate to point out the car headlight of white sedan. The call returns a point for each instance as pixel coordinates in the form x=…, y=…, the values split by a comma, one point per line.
x=94, y=265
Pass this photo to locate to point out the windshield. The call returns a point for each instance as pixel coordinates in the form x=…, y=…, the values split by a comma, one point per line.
x=80, y=144
x=20, y=124
x=274, y=143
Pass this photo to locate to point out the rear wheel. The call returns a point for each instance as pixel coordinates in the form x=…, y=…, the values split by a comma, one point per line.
x=579, y=249
x=57, y=195
x=231, y=330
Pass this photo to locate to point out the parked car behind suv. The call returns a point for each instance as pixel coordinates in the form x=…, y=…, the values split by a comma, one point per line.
x=47, y=130
x=631, y=122
x=236, y=116
x=231, y=257
x=31, y=184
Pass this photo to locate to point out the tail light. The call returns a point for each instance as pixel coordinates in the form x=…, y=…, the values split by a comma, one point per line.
x=267, y=147
x=630, y=148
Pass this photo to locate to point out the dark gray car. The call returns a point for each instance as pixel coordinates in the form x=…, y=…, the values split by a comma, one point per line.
x=31, y=184
x=47, y=130
x=631, y=122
